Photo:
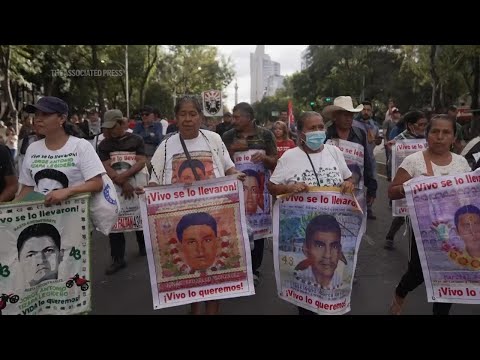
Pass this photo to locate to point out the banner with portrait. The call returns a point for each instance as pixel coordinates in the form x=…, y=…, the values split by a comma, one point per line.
x=45, y=258
x=129, y=217
x=400, y=150
x=197, y=242
x=258, y=202
x=316, y=237
x=445, y=214
x=354, y=156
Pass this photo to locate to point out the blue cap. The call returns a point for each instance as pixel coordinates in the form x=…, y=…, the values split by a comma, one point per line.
x=49, y=105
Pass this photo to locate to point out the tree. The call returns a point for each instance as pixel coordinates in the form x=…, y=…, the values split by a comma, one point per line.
x=191, y=69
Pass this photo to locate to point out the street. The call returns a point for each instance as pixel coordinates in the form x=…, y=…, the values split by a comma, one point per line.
x=377, y=273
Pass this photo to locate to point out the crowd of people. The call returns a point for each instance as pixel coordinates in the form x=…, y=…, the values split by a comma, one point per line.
x=297, y=155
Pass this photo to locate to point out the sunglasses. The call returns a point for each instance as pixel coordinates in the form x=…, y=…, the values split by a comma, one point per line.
x=145, y=114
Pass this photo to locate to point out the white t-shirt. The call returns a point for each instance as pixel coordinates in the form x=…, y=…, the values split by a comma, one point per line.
x=414, y=165
x=294, y=167
x=76, y=162
x=307, y=276
x=177, y=169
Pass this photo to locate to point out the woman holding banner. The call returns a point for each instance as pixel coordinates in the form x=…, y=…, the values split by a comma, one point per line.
x=415, y=121
x=192, y=146
x=437, y=160
x=312, y=163
x=73, y=157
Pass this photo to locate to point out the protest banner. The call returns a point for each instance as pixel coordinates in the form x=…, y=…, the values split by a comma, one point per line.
x=258, y=202
x=353, y=154
x=197, y=242
x=129, y=217
x=316, y=238
x=400, y=150
x=445, y=214
x=45, y=258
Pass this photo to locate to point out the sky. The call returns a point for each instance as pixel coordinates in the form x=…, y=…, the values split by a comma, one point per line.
x=287, y=55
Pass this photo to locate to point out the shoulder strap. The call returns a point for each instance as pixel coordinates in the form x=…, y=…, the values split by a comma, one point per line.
x=313, y=168
x=189, y=159
x=428, y=162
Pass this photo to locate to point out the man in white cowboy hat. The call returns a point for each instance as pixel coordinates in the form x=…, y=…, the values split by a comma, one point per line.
x=341, y=112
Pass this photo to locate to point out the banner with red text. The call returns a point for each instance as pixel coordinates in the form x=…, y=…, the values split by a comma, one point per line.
x=45, y=257
x=316, y=237
x=400, y=150
x=129, y=218
x=197, y=242
x=445, y=214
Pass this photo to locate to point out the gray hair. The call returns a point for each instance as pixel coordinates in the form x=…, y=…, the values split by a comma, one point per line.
x=306, y=115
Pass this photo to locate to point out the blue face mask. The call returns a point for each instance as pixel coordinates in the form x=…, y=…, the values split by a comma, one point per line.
x=315, y=139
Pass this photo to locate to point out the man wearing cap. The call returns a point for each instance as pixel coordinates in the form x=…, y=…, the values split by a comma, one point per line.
x=125, y=152
x=225, y=125
x=341, y=112
x=150, y=131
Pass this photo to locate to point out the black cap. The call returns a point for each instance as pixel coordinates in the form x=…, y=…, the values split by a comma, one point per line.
x=49, y=105
x=148, y=109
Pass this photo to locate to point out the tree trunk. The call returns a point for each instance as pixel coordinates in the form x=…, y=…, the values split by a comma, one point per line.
x=476, y=82
x=150, y=64
x=5, y=53
x=433, y=74
x=97, y=79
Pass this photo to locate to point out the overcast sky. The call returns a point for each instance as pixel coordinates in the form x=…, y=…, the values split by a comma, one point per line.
x=287, y=55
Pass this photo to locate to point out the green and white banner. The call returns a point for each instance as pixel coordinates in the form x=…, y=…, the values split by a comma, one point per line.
x=45, y=258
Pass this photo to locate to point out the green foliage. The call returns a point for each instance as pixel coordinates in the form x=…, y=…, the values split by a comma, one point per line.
x=155, y=73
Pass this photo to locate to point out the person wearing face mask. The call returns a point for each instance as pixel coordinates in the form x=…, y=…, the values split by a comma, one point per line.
x=311, y=163
x=415, y=123
x=341, y=112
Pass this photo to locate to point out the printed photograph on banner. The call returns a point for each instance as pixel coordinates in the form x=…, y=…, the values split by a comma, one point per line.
x=129, y=218
x=445, y=214
x=400, y=150
x=45, y=258
x=354, y=156
x=316, y=240
x=199, y=243
x=258, y=202
x=201, y=161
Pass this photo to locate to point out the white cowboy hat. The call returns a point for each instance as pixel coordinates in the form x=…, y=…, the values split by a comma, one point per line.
x=342, y=103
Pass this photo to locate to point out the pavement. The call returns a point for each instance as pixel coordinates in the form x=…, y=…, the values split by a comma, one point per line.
x=378, y=272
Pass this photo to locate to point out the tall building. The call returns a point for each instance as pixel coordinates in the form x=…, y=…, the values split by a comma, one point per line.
x=256, y=74
x=305, y=62
x=275, y=82
x=265, y=76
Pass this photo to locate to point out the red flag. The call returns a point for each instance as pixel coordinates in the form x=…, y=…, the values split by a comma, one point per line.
x=291, y=118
